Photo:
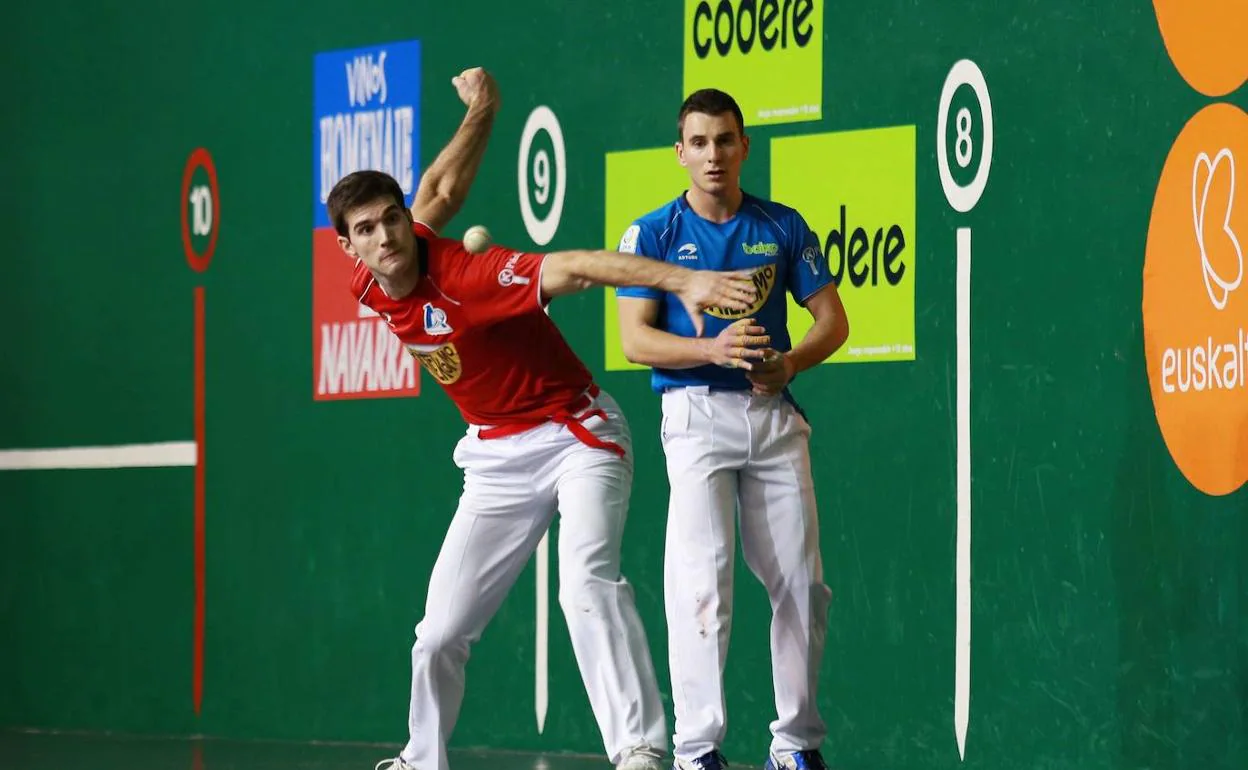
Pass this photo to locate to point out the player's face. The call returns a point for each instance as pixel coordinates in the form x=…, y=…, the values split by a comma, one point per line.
x=380, y=235
x=712, y=149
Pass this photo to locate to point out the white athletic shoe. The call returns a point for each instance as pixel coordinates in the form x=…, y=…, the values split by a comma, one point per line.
x=642, y=758
x=393, y=764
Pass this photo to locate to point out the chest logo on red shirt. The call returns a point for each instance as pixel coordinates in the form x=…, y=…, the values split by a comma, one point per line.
x=507, y=276
x=435, y=320
x=443, y=363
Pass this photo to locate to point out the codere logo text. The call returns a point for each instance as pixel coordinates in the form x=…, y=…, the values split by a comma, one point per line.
x=865, y=257
x=740, y=25
x=767, y=53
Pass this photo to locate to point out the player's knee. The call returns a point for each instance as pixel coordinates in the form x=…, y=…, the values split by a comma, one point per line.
x=586, y=592
x=801, y=586
x=436, y=639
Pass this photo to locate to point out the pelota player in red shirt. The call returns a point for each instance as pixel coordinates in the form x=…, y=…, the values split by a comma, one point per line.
x=541, y=438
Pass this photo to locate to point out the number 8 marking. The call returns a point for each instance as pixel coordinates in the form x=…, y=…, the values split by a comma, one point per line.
x=964, y=145
x=964, y=73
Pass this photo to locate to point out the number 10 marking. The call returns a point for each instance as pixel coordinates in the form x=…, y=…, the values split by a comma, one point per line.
x=201, y=210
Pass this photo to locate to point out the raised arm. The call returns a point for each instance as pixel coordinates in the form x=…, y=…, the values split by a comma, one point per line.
x=565, y=272
x=444, y=185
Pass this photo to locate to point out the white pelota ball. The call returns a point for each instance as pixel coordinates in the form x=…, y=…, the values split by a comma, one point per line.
x=477, y=239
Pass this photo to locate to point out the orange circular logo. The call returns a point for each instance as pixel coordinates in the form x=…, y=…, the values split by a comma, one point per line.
x=1208, y=42
x=1195, y=302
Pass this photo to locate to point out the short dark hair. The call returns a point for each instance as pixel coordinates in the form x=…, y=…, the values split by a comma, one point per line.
x=710, y=101
x=357, y=189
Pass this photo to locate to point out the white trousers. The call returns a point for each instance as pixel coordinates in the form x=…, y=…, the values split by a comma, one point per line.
x=512, y=489
x=731, y=454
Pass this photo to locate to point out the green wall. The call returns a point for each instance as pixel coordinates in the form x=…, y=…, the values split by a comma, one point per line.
x=1107, y=590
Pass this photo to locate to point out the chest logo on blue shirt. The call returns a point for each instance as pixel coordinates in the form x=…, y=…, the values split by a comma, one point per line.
x=687, y=252
x=435, y=320
x=764, y=281
x=762, y=248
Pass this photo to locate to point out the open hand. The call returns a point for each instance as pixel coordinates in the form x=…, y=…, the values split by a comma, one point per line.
x=706, y=288
x=739, y=346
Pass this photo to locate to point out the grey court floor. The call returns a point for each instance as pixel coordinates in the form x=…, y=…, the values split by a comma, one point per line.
x=22, y=750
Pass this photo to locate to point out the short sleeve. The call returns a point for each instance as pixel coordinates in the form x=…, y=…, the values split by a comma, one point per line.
x=503, y=282
x=638, y=239
x=808, y=265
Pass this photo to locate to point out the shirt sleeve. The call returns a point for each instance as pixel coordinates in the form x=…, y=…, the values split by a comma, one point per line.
x=503, y=283
x=638, y=239
x=808, y=265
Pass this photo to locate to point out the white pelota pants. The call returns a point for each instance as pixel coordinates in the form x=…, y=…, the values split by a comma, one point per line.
x=512, y=488
x=732, y=453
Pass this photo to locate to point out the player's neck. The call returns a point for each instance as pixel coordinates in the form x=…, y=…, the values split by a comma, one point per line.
x=717, y=208
x=399, y=286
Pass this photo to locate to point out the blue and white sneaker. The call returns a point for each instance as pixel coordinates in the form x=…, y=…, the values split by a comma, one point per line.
x=810, y=759
x=711, y=760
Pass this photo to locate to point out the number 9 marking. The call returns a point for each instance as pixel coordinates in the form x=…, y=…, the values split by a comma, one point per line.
x=542, y=230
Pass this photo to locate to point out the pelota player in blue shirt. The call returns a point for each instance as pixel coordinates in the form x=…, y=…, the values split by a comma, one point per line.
x=734, y=437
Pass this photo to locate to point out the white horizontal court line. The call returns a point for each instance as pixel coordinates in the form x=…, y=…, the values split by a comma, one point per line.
x=165, y=454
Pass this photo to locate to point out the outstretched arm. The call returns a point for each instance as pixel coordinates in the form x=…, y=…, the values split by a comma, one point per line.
x=738, y=346
x=444, y=185
x=565, y=272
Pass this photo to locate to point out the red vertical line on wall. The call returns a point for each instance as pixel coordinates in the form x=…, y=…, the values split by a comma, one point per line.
x=197, y=675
